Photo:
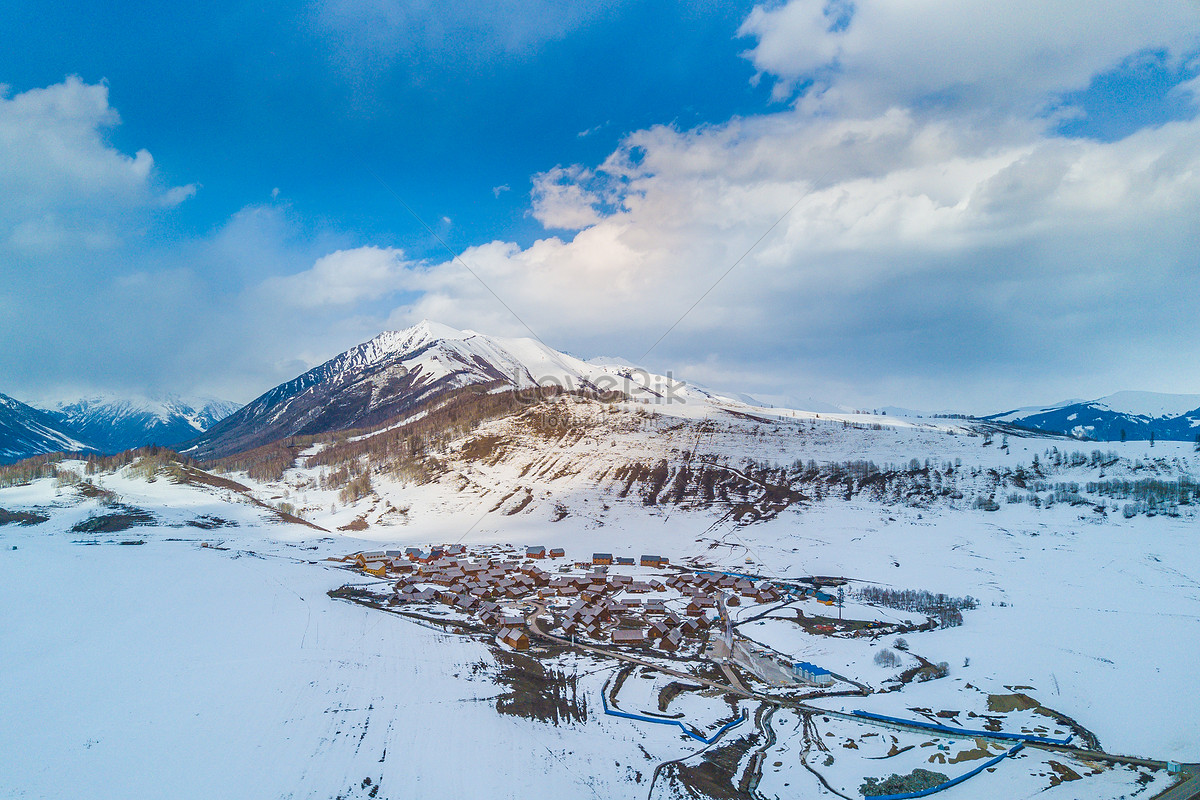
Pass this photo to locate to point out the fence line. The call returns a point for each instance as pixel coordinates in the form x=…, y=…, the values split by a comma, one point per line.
x=642, y=718
x=1016, y=737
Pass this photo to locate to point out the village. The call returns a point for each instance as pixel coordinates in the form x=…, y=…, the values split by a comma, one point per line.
x=645, y=605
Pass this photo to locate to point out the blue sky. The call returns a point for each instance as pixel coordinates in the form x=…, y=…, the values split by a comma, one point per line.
x=247, y=99
x=989, y=211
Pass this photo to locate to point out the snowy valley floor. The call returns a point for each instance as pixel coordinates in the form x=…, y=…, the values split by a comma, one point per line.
x=167, y=669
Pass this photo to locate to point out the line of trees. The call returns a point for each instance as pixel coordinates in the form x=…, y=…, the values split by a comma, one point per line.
x=945, y=609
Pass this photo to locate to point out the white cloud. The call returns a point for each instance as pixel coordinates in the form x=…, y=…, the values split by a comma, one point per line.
x=61, y=183
x=562, y=198
x=944, y=250
x=366, y=38
x=342, y=278
x=962, y=54
x=925, y=261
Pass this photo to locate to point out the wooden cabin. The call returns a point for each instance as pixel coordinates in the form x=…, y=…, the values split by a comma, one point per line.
x=513, y=637
x=629, y=636
x=670, y=641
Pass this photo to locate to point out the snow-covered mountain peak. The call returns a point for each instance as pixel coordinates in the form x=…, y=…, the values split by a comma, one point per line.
x=423, y=333
x=115, y=422
x=162, y=407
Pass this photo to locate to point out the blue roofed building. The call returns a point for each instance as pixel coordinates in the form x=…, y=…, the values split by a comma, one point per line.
x=811, y=673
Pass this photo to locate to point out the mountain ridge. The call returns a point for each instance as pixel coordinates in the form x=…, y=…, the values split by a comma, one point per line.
x=114, y=423
x=1135, y=415
x=395, y=372
x=26, y=431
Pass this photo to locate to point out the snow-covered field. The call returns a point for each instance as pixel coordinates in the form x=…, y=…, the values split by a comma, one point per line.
x=168, y=669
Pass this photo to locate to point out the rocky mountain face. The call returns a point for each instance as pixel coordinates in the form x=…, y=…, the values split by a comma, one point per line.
x=398, y=372
x=25, y=431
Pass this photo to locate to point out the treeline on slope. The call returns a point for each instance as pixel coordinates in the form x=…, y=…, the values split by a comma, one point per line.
x=771, y=486
x=920, y=483
x=150, y=460
x=751, y=494
x=265, y=463
x=32, y=469
x=945, y=609
x=404, y=449
x=915, y=483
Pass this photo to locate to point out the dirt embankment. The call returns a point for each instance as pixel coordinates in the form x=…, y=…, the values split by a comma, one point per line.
x=673, y=690
x=22, y=517
x=715, y=773
x=120, y=517
x=537, y=693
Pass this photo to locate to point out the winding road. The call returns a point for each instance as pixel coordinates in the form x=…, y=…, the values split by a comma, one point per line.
x=1186, y=790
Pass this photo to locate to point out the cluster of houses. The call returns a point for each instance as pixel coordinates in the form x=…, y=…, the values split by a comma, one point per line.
x=591, y=600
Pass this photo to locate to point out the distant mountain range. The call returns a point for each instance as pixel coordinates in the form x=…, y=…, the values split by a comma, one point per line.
x=399, y=372
x=113, y=423
x=104, y=424
x=1124, y=415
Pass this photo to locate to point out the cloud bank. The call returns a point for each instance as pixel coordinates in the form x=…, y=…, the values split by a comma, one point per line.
x=931, y=238
x=944, y=246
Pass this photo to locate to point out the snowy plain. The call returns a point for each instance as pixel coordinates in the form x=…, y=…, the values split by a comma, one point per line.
x=175, y=670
